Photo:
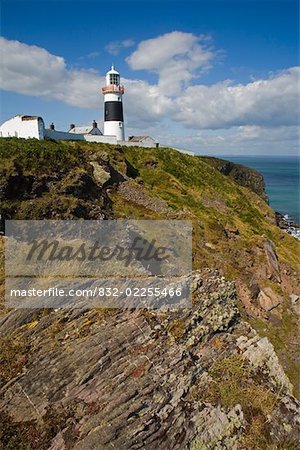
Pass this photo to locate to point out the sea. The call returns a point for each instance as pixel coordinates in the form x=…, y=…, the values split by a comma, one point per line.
x=282, y=179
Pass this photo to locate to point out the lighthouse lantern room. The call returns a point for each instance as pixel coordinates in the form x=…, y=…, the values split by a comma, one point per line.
x=113, y=106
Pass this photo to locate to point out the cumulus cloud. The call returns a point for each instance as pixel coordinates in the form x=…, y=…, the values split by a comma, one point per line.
x=241, y=114
x=31, y=70
x=270, y=102
x=114, y=47
x=174, y=57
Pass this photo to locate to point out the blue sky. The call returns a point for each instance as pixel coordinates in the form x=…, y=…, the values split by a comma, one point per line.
x=218, y=77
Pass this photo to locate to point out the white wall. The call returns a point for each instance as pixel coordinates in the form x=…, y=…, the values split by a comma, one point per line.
x=114, y=128
x=23, y=128
x=147, y=144
x=66, y=136
x=112, y=97
x=98, y=138
x=63, y=135
x=35, y=128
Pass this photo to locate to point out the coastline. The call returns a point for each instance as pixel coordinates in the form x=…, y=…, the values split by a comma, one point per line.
x=286, y=223
x=281, y=176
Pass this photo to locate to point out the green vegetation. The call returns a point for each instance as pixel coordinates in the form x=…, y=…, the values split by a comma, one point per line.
x=56, y=180
x=190, y=184
x=233, y=382
x=283, y=331
x=48, y=179
x=32, y=156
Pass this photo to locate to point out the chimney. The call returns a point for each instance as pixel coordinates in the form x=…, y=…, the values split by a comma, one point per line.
x=52, y=127
x=95, y=125
x=72, y=125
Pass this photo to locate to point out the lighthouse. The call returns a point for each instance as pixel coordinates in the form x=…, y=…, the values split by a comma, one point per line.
x=113, y=106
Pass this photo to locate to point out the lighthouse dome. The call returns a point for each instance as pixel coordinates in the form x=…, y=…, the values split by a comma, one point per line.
x=112, y=71
x=112, y=77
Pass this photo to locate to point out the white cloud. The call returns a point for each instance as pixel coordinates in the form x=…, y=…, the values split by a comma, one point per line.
x=31, y=70
x=270, y=102
x=236, y=140
x=93, y=54
x=114, y=47
x=174, y=57
x=246, y=116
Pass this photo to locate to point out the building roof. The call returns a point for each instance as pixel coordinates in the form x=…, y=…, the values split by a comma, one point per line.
x=139, y=138
x=83, y=130
x=25, y=117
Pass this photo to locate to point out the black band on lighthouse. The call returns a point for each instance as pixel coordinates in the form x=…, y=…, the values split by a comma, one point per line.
x=113, y=111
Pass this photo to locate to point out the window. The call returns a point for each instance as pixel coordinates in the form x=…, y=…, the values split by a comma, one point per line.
x=114, y=79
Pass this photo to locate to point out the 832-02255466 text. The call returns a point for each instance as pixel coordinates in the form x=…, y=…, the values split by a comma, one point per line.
x=99, y=292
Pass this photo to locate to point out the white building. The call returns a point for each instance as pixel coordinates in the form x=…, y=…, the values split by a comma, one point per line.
x=22, y=126
x=146, y=141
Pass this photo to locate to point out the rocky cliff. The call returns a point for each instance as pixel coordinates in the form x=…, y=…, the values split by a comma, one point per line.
x=221, y=375
x=245, y=176
x=200, y=378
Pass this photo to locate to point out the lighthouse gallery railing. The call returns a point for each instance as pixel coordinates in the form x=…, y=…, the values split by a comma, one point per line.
x=113, y=88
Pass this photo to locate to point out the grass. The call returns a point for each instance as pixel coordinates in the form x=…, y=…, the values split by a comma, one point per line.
x=283, y=334
x=31, y=155
x=233, y=382
x=182, y=180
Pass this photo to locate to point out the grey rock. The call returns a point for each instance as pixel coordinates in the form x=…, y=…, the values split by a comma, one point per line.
x=126, y=379
x=261, y=355
x=294, y=298
x=268, y=299
x=272, y=261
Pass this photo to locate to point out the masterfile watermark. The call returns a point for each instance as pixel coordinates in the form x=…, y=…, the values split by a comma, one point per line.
x=116, y=263
x=84, y=293
x=55, y=250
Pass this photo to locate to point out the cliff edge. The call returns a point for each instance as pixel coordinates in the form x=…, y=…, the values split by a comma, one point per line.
x=223, y=374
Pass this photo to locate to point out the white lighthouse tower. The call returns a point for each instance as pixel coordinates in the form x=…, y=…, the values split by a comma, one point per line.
x=113, y=106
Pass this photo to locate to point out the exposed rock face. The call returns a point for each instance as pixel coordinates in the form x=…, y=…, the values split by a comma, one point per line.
x=198, y=378
x=73, y=194
x=285, y=223
x=260, y=353
x=137, y=194
x=272, y=261
x=295, y=303
x=19, y=187
x=101, y=174
x=217, y=429
x=143, y=379
x=268, y=299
